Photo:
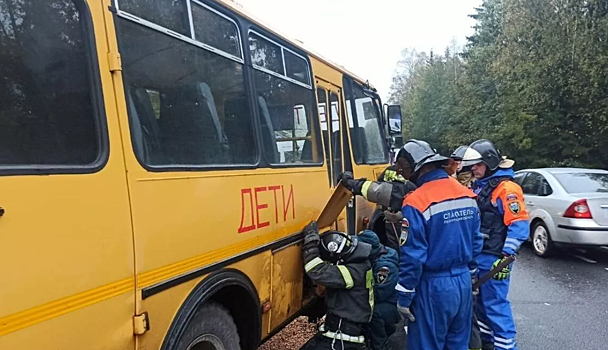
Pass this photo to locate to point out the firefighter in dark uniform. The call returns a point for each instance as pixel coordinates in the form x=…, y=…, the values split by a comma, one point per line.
x=388, y=192
x=341, y=264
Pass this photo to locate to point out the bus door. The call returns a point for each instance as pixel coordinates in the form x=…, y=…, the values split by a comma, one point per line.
x=368, y=142
x=335, y=141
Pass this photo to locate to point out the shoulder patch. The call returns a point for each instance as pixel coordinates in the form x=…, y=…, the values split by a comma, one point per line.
x=512, y=197
x=514, y=207
x=382, y=275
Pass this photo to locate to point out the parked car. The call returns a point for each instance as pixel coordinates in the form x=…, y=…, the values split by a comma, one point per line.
x=567, y=206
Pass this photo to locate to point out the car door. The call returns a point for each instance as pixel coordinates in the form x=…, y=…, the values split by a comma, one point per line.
x=541, y=202
x=530, y=185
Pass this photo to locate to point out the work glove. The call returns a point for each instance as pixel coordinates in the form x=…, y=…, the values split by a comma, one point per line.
x=348, y=180
x=350, y=183
x=311, y=236
x=396, y=217
x=403, y=306
x=406, y=313
x=504, y=273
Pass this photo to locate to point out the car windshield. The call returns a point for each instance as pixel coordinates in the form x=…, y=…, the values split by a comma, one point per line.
x=583, y=182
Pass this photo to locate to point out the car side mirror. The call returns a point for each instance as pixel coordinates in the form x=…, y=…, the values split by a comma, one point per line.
x=393, y=113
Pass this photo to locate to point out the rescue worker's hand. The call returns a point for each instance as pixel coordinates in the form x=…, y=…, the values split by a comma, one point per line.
x=347, y=179
x=504, y=273
x=320, y=291
x=393, y=217
x=311, y=236
x=406, y=313
x=474, y=278
x=312, y=227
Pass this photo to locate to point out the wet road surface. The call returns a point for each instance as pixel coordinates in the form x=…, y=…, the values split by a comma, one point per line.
x=559, y=302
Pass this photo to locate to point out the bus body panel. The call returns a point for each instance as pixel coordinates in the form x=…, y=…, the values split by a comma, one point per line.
x=66, y=247
x=163, y=307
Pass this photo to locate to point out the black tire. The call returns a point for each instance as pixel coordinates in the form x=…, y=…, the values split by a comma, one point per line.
x=541, y=240
x=211, y=328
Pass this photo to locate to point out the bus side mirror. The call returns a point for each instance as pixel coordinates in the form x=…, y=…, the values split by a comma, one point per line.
x=393, y=113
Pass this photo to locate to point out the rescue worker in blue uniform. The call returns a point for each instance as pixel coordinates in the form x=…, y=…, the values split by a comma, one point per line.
x=504, y=227
x=465, y=178
x=341, y=264
x=440, y=242
x=385, y=266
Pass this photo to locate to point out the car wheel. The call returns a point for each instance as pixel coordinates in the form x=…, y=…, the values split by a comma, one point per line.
x=541, y=240
x=211, y=328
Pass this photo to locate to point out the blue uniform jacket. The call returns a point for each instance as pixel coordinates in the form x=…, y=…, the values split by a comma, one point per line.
x=439, y=232
x=518, y=224
x=385, y=266
x=386, y=272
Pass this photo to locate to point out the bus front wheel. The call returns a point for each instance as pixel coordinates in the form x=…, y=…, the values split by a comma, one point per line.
x=211, y=328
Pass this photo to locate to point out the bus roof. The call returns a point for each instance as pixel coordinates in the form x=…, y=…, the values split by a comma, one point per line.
x=238, y=8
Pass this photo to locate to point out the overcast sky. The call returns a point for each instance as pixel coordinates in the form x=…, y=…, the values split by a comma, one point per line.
x=367, y=37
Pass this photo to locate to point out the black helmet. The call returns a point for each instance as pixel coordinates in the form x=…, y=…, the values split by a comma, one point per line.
x=336, y=246
x=483, y=151
x=458, y=154
x=418, y=154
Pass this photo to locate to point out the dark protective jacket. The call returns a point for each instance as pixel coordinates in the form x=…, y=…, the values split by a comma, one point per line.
x=388, y=192
x=349, y=285
x=504, y=219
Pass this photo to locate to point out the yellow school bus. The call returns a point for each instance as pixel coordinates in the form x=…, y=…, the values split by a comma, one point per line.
x=158, y=160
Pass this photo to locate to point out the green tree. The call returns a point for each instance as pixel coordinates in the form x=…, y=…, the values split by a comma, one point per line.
x=533, y=78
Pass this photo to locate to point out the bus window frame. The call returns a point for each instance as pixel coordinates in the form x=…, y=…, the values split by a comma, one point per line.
x=316, y=123
x=248, y=84
x=176, y=35
x=271, y=72
x=97, y=104
x=244, y=26
x=348, y=83
x=191, y=19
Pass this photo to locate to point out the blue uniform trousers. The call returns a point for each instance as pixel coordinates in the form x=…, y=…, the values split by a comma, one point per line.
x=443, y=309
x=495, y=317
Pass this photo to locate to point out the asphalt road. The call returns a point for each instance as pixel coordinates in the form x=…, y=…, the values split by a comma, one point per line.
x=559, y=302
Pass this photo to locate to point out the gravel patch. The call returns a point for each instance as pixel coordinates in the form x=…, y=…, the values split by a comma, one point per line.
x=293, y=336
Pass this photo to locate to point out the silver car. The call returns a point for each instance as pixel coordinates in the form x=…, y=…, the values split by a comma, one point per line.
x=567, y=206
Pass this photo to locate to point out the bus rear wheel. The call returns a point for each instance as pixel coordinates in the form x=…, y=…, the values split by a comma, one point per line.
x=211, y=328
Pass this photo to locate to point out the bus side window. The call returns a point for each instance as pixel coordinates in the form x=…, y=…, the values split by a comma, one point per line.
x=47, y=112
x=288, y=120
x=177, y=110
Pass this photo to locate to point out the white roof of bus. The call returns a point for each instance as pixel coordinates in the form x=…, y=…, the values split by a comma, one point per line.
x=238, y=8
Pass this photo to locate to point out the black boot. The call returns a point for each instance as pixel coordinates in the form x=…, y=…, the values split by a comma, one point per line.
x=487, y=345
